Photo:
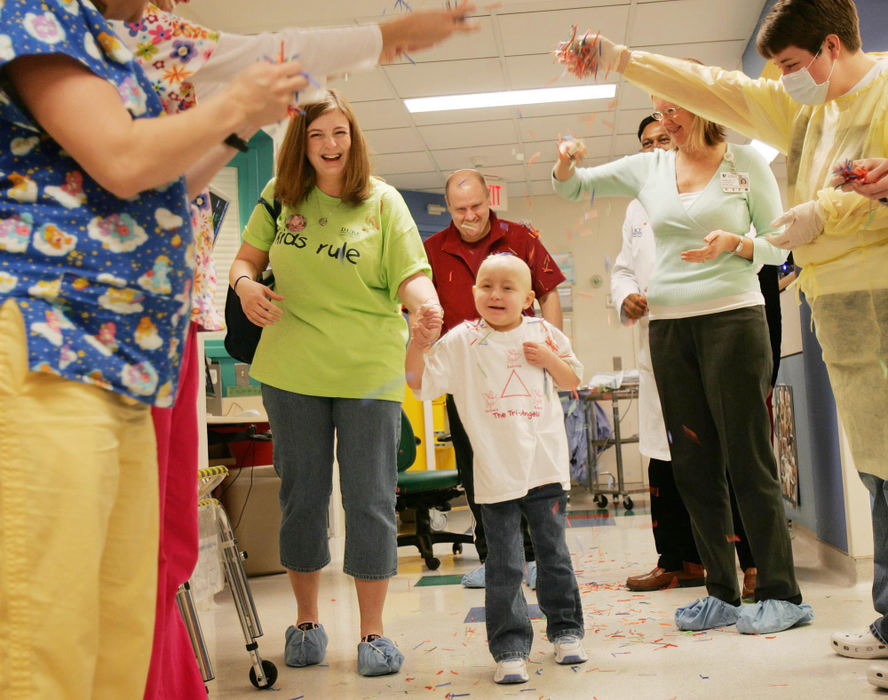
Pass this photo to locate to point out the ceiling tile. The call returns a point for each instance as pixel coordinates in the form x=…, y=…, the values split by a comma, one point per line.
x=446, y=77
x=368, y=85
x=540, y=32
x=475, y=134
x=393, y=140
x=689, y=20
x=451, y=159
x=392, y=163
x=386, y=114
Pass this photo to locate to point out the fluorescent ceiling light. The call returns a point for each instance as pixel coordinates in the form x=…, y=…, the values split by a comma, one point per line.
x=509, y=98
x=769, y=152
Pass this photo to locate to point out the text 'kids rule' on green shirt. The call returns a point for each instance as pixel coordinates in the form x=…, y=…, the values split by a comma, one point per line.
x=338, y=267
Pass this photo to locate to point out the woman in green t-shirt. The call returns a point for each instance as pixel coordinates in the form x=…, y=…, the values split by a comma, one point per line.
x=346, y=255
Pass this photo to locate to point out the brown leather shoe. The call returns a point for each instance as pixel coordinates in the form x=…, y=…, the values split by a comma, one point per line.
x=659, y=578
x=749, y=578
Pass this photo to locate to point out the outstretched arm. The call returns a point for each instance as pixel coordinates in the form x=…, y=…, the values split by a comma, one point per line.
x=84, y=114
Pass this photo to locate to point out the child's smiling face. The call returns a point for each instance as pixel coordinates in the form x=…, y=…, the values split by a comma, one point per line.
x=502, y=291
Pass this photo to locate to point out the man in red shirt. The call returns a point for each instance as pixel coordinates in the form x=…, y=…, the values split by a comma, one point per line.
x=455, y=255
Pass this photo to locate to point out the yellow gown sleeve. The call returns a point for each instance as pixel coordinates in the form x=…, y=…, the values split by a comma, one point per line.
x=756, y=108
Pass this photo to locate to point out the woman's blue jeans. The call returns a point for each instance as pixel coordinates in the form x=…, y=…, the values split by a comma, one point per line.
x=367, y=434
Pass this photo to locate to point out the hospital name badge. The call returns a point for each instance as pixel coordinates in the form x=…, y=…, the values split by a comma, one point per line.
x=735, y=182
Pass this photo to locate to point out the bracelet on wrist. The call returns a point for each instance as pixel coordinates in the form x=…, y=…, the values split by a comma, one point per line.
x=234, y=286
x=237, y=142
x=739, y=247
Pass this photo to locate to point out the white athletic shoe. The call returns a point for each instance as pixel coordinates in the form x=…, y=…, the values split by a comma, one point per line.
x=859, y=645
x=511, y=671
x=569, y=650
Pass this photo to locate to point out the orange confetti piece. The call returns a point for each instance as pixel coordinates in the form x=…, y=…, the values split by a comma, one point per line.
x=691, y=434
x=609, y=124
x=612, y=104
x=534, y=158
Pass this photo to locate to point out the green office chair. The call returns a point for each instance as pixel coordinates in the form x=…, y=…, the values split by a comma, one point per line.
x=420, y=491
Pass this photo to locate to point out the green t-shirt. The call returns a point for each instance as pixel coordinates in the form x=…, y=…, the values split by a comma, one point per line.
x=338, y=267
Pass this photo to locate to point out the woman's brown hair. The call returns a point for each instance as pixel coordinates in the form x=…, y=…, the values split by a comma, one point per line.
x=296, y=175
x=704, y=132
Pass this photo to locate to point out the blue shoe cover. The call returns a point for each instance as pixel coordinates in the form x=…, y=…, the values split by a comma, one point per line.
x=706, y=613
x=475, y=578
x=530, y=575
x=379, y=657
x=769, y=616
x=305, y=647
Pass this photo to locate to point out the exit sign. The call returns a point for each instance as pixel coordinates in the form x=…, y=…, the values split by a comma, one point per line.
x=498, y=196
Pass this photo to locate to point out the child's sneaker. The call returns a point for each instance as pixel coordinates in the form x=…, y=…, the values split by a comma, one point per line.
x=305, y=645
x=378, y=656
x=511, y=671
x=569, y=650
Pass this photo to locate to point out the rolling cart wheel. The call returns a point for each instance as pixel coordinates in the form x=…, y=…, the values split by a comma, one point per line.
x=433, y=563
x=601, y=500
x=628, y=503
x=457, y=547
x=271, y=675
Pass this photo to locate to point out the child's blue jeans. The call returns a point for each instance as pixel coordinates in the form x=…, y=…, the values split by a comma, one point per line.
x=509, y=632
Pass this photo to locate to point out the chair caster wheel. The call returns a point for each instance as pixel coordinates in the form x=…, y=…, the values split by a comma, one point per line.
x=628, y=503
x=457, y=547
x=433, y=563
x=271, y=674
x=601, y=500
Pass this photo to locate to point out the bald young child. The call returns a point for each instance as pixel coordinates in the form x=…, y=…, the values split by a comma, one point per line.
x=503, y=371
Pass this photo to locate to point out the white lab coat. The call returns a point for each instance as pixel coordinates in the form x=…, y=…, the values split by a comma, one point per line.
x=632, y=269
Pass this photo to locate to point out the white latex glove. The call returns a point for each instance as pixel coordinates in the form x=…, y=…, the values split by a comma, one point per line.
x=804, y=222
x=614, y=57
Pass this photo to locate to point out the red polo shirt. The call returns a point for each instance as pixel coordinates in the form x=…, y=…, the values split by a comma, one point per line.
x=455, y=265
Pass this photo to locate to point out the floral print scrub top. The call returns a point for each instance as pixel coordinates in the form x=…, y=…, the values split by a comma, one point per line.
x=171, y=50
x=104, y=284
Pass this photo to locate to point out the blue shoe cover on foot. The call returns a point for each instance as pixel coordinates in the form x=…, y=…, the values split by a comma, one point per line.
x=706, y=613
x=379, y=657
x=475, y=578
x=769, y=616
x=305, y=647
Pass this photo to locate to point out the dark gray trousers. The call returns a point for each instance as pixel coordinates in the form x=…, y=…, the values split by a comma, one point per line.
x=713, y=375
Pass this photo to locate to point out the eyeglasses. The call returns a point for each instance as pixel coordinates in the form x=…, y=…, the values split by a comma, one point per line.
x=670, y=112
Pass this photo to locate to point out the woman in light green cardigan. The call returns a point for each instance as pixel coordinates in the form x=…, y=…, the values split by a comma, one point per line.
x=710, y=350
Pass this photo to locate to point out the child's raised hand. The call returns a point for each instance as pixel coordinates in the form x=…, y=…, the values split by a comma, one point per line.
x=538, y=354
x=427, y=323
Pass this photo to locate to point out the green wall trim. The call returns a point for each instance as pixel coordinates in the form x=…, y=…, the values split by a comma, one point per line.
x=254, y=169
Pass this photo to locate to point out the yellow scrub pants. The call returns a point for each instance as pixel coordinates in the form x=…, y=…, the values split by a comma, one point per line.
x=78, y=533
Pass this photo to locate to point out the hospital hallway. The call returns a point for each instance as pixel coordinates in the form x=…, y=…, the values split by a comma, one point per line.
x=635, y=651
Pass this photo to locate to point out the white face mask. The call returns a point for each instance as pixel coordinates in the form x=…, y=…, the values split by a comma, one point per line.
x=801, y=86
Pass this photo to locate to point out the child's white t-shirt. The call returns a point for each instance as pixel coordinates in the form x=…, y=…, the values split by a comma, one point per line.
x=509, y=408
